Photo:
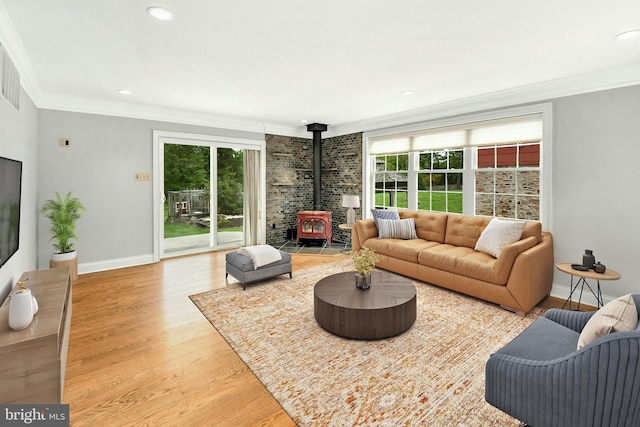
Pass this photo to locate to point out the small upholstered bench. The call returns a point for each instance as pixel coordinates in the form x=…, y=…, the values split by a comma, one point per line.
x=241, y=267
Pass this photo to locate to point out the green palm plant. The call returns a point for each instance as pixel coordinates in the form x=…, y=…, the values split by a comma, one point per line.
x=63, y=214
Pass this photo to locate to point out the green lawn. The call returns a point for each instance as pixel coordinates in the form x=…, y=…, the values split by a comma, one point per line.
x=179, y=230
x=438, y=200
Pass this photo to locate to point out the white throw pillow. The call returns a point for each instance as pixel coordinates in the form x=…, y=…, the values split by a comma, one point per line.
x=619, y=315
x=498, y=234
x=397, y=229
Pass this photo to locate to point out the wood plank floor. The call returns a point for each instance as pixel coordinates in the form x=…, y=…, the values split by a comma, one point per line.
x=141, y=353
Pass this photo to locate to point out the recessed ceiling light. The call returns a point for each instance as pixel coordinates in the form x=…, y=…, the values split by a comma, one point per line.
x=408, y=92
x=160, y=13
x=124, y=92
x=303, y=121
x=628, y=34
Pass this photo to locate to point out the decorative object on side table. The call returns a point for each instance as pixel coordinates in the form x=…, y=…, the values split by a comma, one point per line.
x=588, y=259
x=589, y=263
x=599, y=268
x=364, y=261
x=350, y=201
x=22, y=307
x=63, y=214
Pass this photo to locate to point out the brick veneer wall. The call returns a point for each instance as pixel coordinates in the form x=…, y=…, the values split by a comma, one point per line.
x=290, y=186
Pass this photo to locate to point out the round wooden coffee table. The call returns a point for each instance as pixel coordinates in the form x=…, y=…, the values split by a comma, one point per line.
x=386, y=309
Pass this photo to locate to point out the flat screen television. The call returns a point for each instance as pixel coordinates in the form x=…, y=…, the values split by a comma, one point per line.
x=10, y=191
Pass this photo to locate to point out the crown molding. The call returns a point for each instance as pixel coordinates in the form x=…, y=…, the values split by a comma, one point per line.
x=157, y=113
x=545, y=91
x=606, y=79
x=163, y=114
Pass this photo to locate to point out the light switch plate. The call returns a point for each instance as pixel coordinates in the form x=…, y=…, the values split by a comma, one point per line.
x=143, y=176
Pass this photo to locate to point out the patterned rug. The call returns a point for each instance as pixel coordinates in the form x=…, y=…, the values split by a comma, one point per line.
x=433, y=374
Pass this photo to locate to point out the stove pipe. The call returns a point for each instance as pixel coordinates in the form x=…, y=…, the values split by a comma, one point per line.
x=317, y=129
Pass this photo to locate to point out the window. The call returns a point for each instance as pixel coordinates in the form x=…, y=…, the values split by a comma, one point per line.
x=491, y=167
x=440, y=180
x=508, y=181
x=391, y=180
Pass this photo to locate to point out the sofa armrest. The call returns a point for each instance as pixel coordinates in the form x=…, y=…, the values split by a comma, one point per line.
x=575, y=320
x=362, y=230
x=510, y=252
x=531, y=276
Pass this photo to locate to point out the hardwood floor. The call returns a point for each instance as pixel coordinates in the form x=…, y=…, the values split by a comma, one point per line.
x=141, y=353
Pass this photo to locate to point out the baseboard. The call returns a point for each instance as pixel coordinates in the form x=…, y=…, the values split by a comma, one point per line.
x=563, y=291
x=92, y=267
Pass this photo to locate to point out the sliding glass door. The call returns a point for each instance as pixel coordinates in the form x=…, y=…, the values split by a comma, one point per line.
x=203, y=193
x=209, y=193
x=229, y=197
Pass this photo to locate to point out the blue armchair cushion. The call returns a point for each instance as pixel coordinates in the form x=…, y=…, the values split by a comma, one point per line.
x=558, y=340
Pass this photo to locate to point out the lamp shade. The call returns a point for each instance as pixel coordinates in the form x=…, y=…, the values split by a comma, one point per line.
x=350, y=201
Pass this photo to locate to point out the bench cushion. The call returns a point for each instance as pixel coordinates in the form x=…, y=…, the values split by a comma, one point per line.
x=245, y=264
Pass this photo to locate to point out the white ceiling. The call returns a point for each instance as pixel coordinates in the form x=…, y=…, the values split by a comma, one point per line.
x=268, y=64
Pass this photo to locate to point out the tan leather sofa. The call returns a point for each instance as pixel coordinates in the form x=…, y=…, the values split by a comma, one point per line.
x=444, y=255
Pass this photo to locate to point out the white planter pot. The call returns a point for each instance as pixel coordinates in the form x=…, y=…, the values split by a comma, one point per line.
x=57, y=257
x=69, y=260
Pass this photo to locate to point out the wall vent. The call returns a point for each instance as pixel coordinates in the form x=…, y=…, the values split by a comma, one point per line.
x=9, y=79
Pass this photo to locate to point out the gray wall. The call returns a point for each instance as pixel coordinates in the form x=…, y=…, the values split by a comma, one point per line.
x=596, y=178
x=18, y=141
x=99, y=167
x=595, y=199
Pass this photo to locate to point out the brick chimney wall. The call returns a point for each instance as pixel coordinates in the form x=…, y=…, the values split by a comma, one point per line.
x=290, y=186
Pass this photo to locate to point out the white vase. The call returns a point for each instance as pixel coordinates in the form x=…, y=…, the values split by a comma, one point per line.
x=21, y=309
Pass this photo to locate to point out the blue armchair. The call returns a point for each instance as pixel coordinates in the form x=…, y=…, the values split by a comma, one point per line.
x=541, y=379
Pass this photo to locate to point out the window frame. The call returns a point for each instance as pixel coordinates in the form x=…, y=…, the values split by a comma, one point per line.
x=470, y=157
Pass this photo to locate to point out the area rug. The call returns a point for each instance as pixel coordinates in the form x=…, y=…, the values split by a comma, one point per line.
x=433, y=374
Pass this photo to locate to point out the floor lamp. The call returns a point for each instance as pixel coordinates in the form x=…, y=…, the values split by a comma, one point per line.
x=350, y=201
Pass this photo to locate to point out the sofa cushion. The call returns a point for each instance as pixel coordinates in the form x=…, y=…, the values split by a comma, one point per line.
x=397, y=229
x=443, y=256
x=464, y=230
x=619, y=315
x=406, y=250
x=468, y=262
x=498, y=234
x=430, y=226
x=559, y=341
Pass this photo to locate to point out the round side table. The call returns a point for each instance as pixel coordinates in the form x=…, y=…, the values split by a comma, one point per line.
x=582, y=276
x=346, y=227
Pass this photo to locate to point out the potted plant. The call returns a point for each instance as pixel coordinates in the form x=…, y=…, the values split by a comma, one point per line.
x=364, y=261
x=63, y=214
